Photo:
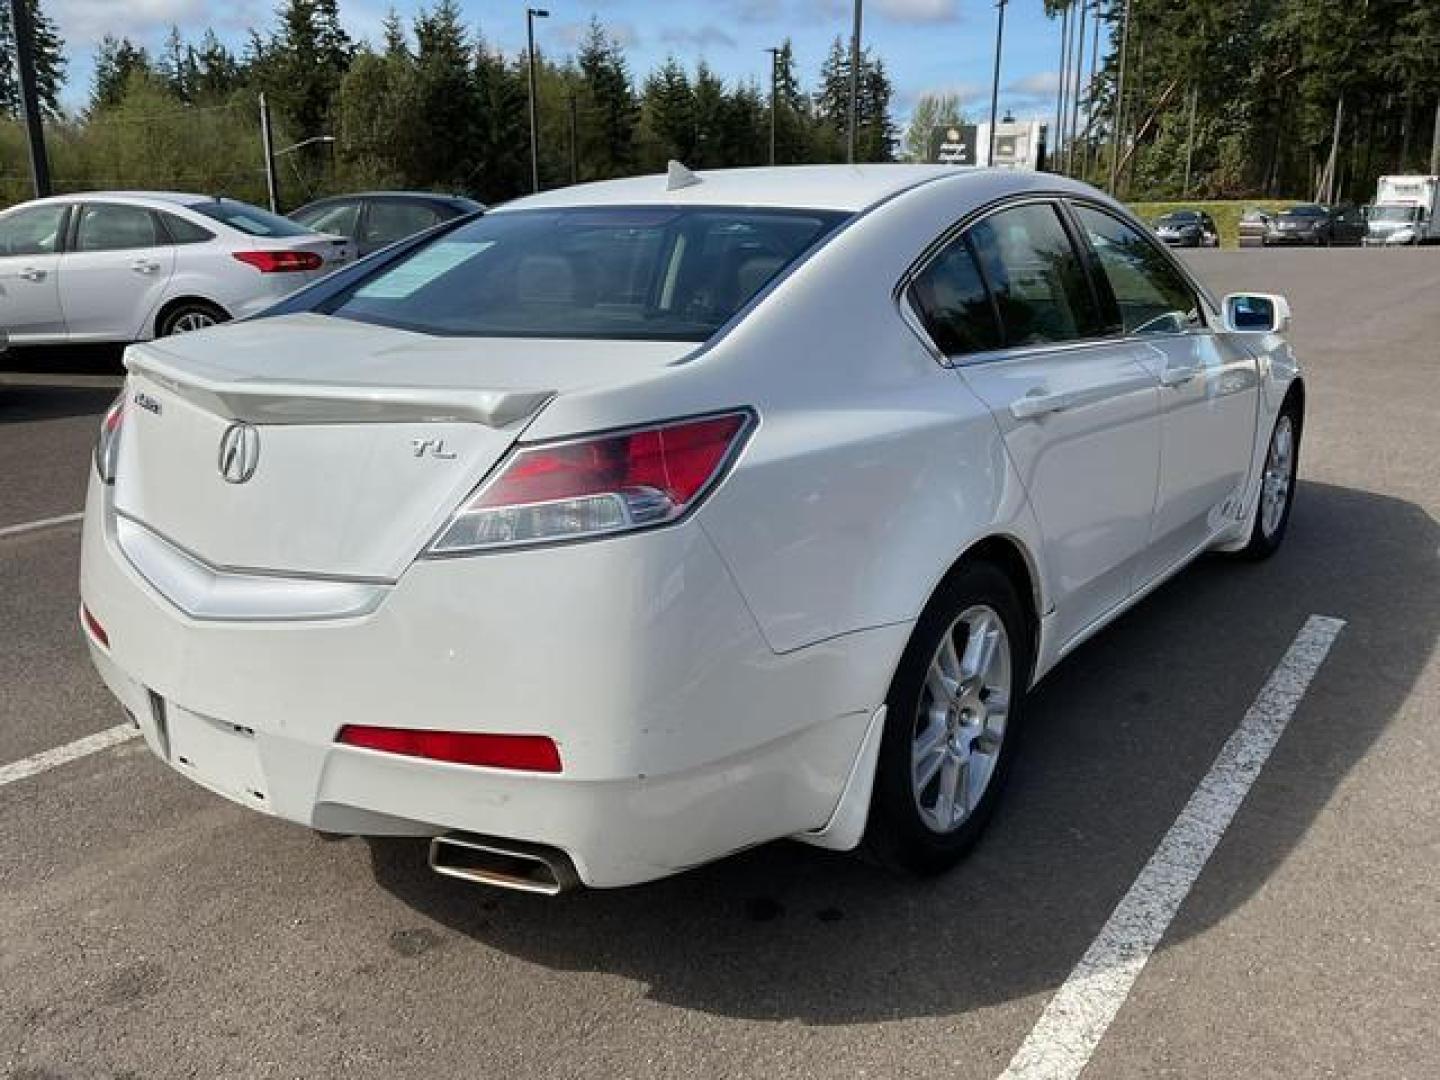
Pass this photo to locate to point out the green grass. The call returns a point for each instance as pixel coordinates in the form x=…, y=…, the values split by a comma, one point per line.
x=1226, y=213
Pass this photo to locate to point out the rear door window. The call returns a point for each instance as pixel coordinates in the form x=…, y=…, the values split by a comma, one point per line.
x=1036, y=276
x=34, y=230
x=389, y=220
x=338, y=218
x=113, y=227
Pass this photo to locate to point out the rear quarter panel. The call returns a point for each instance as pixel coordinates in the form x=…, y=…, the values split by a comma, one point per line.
x=873, y=467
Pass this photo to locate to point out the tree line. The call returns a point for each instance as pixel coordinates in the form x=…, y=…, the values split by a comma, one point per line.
x=433, y=105
x=1233, y=98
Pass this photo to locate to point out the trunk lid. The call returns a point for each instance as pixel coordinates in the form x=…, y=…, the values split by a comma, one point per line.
x=364, y=438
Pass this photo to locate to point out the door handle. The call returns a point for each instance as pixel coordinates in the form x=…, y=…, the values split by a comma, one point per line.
x=144, y=266
x=1038, y=403
x=1178, y=376
x=32, y=274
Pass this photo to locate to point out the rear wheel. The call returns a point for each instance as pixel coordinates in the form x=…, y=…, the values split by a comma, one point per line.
x=1277, y=486
x=950, y=725
x=190, y=315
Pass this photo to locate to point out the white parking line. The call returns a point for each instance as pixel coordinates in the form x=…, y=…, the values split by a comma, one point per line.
x=49, y=759
x=42, y=523
x=1060, y=1044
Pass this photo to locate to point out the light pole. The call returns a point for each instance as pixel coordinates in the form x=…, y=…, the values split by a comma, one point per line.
x=531, y=14
x=995, y=83
x=1118, y=113
x=23, y=34
x=774, y=95
x=1079, y=89
x=854, y=87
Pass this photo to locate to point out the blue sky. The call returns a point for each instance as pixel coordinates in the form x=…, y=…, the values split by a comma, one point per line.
x=927, y=44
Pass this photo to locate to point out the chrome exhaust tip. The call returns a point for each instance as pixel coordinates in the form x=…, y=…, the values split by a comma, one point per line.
x=503, y=864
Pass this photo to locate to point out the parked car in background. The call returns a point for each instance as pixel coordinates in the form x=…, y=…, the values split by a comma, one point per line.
x=1317, y=226
x=1254, y=226
x=376, y=219
x=522, y=539
x=113, y=266
x=1406, y=211
x=1188, y=228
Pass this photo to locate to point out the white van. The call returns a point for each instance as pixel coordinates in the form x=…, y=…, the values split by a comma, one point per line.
x=1404, y=211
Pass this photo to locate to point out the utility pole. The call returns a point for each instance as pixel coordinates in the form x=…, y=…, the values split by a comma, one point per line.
x=1435, y=142
x=267, y=140
x=531, y=14
x=1079, y=86
x=1059, y=134
x=24, y=36
x=1326, y=193
x=854, y=87
x=574, y=142
x=774, y=95
x=1190, y=139
x=995, y=82
x=1090, y=109
x=1119, y=106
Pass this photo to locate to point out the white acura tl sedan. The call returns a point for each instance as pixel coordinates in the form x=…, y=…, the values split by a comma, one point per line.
x=116, y=266
x=634, y=524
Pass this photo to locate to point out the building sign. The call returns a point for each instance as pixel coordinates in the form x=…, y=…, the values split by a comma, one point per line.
x=953, y=144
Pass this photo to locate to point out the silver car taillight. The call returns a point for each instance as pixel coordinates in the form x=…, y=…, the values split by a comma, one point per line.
x=107, y=446
x=596, y=485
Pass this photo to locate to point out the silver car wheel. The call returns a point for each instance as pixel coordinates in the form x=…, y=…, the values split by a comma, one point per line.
x=1279, y=475
x=961, y=719
x=192, y=320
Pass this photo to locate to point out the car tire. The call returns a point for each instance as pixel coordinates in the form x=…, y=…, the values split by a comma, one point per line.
x=1277, y=485
x=952, y=715
x=190, y=315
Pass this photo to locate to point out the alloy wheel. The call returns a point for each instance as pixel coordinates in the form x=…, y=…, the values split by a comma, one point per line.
x=1279, y=475
x=961, y=719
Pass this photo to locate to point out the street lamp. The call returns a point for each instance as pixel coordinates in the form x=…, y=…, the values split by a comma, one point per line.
x=854, y=87
x=774, y=52
x=531, y=14
x=995, y=84
x=304, y=143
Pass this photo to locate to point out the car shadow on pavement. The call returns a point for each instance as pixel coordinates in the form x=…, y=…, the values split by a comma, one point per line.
x=1115, y=741
x=24, y=402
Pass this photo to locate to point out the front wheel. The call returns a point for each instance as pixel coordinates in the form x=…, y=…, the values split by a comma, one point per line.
x=951, y=717
x=1277, y=486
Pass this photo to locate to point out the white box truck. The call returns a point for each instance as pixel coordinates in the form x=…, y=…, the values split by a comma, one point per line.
x=1406, y=211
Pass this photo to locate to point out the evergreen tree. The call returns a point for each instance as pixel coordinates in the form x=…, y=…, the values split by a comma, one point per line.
x=50, y=63
x=116, y=60
x=610, y=112
x=669, y=115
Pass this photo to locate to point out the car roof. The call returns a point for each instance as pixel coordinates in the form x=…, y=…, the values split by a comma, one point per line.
x=815, y=187
x=179, y=198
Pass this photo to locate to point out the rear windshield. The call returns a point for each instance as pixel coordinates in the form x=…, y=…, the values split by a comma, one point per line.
x=247, y=218
x=610, y=272
x=1306, y=211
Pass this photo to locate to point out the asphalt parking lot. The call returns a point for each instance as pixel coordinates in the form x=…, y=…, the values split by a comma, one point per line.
x=148, y=929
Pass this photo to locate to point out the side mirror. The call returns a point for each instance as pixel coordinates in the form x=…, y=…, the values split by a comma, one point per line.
x=1256, y=313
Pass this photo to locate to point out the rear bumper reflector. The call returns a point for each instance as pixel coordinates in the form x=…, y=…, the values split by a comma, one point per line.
x=529, y=753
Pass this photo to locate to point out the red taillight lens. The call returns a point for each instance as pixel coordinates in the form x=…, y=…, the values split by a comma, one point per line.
x=532, y=753
x=280, y=262
x=596, y=486
x=93, y=625
x=107, y=446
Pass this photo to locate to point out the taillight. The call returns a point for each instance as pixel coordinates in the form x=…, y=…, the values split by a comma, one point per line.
x=280, y=262
x=597, y=485
x=532, y=753
x=107, y=446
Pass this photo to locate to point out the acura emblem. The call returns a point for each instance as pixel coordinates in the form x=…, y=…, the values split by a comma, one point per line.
x=239, y=452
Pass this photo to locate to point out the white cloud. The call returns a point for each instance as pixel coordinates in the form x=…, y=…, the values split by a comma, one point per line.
x=1040, y=84
x=84, y=22
x=919, y=11
x=571, y=34
x=701, y=37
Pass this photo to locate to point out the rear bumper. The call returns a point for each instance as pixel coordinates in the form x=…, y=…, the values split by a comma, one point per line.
x=682, y=736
